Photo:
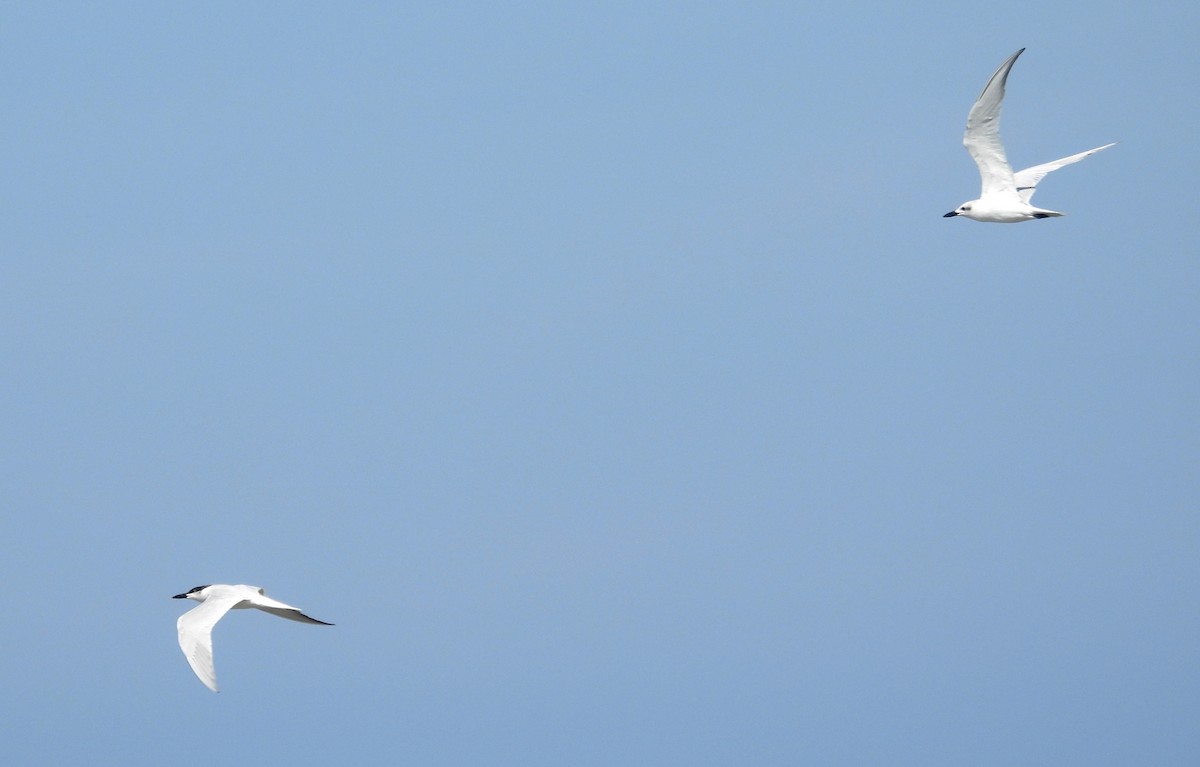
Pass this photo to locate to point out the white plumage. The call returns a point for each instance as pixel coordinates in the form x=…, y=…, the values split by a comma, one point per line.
x=1004, y=197
x=196, y=625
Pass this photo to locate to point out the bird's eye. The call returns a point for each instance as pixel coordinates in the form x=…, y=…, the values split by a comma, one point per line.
x=966, y=207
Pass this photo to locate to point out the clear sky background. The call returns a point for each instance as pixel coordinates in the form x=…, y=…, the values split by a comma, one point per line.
x=608, y=374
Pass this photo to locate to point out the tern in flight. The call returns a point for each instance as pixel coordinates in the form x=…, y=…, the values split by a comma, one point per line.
x=196, y=625
x=1005, y=195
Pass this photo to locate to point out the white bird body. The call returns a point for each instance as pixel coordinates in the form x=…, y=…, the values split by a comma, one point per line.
x=196, y=625
x=1005, y=195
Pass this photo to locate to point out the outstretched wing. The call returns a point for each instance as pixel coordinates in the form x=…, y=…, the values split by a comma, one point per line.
x=982, y=136
x=195, y=636
x=275, y=607
x=1027, y=180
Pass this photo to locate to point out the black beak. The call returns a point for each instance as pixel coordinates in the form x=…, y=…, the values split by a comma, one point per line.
x=179, y=596
x=951, y=214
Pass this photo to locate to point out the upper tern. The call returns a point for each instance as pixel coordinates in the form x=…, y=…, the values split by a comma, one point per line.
x=196, y=625
x=1005, y=195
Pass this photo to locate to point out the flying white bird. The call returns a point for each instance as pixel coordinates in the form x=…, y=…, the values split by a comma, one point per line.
x=1005, y=196
x=196, y=625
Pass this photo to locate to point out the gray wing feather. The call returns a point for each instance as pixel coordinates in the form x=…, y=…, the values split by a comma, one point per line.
x=195, y=636
x=982, y=136
x=1027, y=180
x=275, y=607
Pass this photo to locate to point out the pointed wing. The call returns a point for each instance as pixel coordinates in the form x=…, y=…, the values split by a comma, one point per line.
x=982, y=136
x=275, y=607
x=195, y=636
x=1027, y=180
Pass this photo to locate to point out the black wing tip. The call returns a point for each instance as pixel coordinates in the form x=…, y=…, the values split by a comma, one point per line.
x=314, y=620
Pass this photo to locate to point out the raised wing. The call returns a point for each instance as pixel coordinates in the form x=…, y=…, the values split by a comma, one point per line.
x=275, y=607
x=195, y=636
x=982, y=136
x=1027, y=180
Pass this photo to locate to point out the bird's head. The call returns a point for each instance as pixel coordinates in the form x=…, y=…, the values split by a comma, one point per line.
x=961, y=210
x=199, y=593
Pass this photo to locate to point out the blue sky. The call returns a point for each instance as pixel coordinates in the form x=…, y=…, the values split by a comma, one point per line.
x=608, y=375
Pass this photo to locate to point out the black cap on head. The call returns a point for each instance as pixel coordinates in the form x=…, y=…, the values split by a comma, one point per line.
x=190, y=591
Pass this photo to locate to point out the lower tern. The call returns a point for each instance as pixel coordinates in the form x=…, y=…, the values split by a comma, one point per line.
x=196, y=625
x=1005, y=196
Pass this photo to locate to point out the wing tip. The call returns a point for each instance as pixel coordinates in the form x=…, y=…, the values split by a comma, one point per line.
x=314, y=620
